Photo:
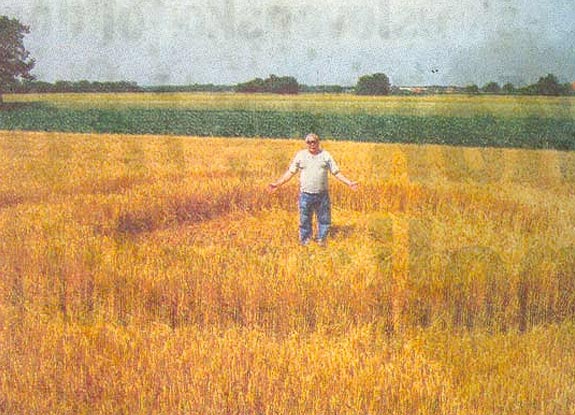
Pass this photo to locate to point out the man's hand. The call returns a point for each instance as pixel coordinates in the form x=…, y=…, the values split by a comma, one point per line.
x=354, y=186
x=272, y=187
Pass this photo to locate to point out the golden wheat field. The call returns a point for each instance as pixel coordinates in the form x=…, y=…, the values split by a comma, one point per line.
x=156, y=275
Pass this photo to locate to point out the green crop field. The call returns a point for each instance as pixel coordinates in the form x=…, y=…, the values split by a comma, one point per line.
x=494, y=121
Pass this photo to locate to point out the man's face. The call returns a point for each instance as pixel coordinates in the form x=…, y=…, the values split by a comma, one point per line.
x=312, y=144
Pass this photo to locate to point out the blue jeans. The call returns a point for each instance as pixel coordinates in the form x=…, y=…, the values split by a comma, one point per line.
x=310, y=204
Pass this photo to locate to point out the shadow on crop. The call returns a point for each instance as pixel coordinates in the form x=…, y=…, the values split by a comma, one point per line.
x=342, y=231
x=194, y=208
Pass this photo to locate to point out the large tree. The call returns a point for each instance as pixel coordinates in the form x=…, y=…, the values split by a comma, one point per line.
x=549, y=85
x=375, y=84
x=472, y=89
x=508, y=88
x=492, y=88
x=281, y=85
x=15, y=62
x=273, y=84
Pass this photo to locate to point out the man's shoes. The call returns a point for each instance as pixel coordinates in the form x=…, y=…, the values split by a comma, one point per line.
x=320, y=242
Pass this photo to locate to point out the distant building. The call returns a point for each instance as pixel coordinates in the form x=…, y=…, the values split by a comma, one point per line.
x=573, y=86
x=431, y=89
x=413, y=89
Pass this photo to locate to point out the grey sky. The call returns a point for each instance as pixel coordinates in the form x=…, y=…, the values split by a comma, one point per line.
x=317, y=41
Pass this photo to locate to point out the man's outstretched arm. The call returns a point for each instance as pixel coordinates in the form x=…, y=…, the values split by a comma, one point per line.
x=353, y=185
x=285, y=178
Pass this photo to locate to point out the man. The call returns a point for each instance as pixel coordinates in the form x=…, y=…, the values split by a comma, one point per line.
x=314, y=164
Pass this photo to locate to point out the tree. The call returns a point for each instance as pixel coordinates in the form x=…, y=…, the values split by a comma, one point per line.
x=15, y=62
x=472, y=89
x=274, y=84
x=492, y=88
x=255, y=85
x=375, y=84
x=549, y=85
x=281, y=85
x=508, y=88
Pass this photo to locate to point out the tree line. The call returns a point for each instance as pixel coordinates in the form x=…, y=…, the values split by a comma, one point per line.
x=546, y=85
x=379, y=84
x=33, y=86
x=375, y=84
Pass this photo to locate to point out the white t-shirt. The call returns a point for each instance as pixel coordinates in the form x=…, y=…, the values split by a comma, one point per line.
x=314, y=169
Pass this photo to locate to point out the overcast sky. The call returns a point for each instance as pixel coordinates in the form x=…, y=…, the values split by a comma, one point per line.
x=415, y=42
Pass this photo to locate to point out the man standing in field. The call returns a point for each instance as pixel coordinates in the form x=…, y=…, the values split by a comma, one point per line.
x=314, y=164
